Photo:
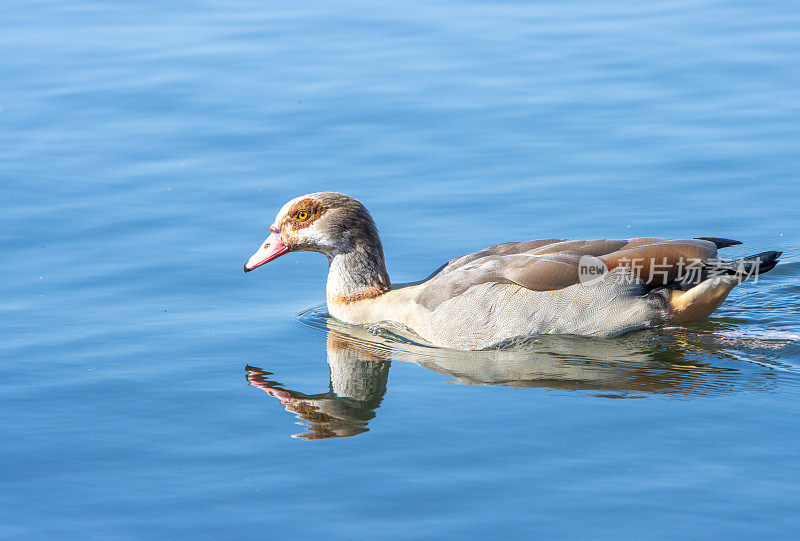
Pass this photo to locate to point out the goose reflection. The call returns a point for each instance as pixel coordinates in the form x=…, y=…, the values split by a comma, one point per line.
x=678, y=362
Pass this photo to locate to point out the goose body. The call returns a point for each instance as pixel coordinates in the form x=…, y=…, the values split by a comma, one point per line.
x=554, y=286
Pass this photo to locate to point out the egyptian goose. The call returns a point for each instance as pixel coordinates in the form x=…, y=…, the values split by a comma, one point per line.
x=510, y=290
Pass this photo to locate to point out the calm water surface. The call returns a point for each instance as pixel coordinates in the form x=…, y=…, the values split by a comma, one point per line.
x=150, y=389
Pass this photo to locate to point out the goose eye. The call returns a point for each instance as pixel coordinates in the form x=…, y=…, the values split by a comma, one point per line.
x=302, y=215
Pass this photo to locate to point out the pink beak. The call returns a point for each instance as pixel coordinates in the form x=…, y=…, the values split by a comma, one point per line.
x=273, y=248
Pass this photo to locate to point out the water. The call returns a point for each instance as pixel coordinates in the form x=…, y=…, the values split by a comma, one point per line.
x=145, y=148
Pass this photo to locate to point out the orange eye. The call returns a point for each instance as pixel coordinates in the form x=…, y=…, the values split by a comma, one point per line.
x=302, y=215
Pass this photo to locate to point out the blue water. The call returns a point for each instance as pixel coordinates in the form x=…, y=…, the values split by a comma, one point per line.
x=145, y=148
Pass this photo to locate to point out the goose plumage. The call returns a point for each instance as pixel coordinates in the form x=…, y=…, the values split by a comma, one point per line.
x=515, y=289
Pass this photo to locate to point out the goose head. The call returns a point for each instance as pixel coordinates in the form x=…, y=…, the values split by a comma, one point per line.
x=331, y=223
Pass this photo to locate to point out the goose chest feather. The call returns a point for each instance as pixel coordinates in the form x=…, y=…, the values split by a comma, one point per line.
x=509, y=290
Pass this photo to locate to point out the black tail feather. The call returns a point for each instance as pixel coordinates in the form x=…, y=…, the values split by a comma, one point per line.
x=746, y=267
x=765, y=261
x=721, y=243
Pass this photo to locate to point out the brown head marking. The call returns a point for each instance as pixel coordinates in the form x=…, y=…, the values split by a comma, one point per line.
x=302, y=214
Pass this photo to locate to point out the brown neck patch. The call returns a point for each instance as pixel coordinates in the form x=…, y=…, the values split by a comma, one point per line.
x=369, y=293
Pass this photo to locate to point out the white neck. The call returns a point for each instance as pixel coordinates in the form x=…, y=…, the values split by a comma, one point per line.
x=356, y=274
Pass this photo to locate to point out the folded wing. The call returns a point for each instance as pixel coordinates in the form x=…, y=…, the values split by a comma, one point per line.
x=552, y=264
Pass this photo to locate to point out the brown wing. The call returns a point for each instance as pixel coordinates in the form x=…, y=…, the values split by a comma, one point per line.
x=505, y=248
x=551, y=264
x=660, y=263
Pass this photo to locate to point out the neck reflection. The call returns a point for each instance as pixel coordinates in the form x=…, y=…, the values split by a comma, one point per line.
x=358, y=376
